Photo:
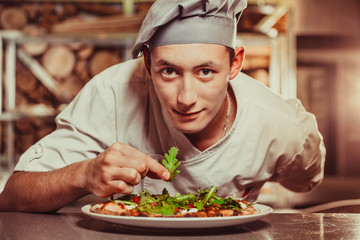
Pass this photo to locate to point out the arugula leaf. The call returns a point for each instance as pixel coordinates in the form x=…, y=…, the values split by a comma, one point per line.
x=171, y=163
x=209, y=195
x=165, y=210
x=185, y=198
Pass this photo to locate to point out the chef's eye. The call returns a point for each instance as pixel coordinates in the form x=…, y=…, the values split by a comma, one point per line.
x=206, y=72
x=169, y=72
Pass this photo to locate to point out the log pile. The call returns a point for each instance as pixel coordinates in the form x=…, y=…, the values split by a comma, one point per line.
x=72, y=68
x=13, y=18
x=46, y=15
x=113, y=24
x=70, y=65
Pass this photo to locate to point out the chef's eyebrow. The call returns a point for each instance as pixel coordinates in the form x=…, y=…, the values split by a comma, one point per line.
x=165, y=63
x=208, y=64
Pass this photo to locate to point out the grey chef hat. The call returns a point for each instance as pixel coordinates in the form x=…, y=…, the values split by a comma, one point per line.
x=189, y=21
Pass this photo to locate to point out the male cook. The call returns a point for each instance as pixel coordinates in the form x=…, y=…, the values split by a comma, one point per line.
x=186, y=91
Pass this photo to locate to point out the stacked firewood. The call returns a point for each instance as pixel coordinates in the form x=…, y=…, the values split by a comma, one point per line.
x=69, y=65
x=66, y=17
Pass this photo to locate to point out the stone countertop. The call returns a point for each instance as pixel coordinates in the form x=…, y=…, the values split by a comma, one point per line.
x=70, y=223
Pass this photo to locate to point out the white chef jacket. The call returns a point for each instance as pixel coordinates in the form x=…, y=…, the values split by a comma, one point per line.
x=272, y=139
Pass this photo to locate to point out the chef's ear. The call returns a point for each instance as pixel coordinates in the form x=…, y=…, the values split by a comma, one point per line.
x=147, y=60
x=237, y=62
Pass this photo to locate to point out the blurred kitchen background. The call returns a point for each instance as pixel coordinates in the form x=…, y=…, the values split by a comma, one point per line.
x=308, y=49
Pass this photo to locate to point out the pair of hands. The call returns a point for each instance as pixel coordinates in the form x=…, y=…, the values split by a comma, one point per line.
x=119, y=168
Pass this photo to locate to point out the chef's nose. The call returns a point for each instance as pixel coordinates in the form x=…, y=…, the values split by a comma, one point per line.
x=187, y=93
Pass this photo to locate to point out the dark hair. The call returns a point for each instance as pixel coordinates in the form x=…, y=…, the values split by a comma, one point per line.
x=232, y=54
x=229, y=49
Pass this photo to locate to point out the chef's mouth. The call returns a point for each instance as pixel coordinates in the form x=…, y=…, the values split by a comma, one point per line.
x=187, y=114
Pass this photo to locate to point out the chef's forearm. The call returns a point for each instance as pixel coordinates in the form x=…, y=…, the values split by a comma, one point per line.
x=44, y=191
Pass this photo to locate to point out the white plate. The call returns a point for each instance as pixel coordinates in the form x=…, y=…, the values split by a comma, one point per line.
x=154, y=222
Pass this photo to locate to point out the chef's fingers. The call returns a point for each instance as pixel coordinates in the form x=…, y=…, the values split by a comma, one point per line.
x=144, y=164
x=124, y=156
x=156, y=170
x=119, y=186
x=129, y=175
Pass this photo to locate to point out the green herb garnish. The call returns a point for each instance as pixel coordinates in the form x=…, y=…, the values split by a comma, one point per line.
x=167, y=205
x=209, y=194
x=171, y=163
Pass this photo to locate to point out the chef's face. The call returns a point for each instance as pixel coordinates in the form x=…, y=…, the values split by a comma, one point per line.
x=191, y=81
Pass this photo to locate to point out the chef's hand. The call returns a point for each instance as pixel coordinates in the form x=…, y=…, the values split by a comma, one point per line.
x=119, y=168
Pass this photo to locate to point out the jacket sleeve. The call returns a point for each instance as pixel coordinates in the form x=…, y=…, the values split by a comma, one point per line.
x=305, y=170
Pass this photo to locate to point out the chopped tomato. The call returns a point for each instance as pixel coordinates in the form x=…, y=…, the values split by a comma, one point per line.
x=153, y=204
x=191, y=205
x=136, y=200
